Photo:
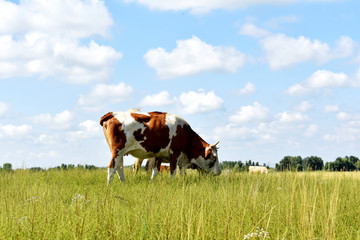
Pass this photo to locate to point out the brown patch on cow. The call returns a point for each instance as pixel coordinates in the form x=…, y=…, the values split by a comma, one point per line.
x=141, y=117
x=156, y=133
x=106, y=117
x=194, y=144
x=138, y=136
x=114, y=135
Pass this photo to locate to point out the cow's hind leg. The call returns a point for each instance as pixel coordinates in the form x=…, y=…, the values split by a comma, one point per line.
x=111, y=169
x=116, y=165
x=119, y=166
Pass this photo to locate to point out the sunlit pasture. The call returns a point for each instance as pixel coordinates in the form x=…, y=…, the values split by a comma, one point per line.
x=77, y=204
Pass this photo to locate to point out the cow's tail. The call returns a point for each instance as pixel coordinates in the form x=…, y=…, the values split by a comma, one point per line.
x=106, y=117
x=132, y=110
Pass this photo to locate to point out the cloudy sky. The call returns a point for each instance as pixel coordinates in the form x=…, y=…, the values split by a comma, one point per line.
x=266, y=78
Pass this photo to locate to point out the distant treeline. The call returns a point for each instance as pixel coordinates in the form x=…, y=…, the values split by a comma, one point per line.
x=8, y=167
x=288, y=163
x=239, y=166
x=314, y=163
x=297, y=163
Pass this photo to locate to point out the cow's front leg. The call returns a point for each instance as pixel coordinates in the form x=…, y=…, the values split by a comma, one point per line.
x=119, y=166
x=172, y=168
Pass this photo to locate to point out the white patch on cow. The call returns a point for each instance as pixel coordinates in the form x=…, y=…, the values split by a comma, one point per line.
x=111, y=172
x=119, y=166
x=172, y=121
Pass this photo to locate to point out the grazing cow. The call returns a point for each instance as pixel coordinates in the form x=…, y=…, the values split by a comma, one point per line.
x=258, y=169
x=156, y=134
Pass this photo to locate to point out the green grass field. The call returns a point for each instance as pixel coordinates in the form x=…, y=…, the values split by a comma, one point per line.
x=77, y=204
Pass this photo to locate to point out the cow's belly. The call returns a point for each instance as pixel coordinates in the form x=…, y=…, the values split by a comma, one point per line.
x=142, y=154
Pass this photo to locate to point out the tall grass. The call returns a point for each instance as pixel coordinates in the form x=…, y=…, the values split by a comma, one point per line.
x=76, y=204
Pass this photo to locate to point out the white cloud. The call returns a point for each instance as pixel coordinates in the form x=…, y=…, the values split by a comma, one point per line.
x=250, y=29
x=251, y=113
x=193, y=56
x=321, y=79
x=43, y=55
x=248, y=89
x=3, y=108
x=47, y=155
x=75, y=18
x=286, y=117
x=233, y=131
x=324, y=78
x=157, y=100
x=343, y=116
x=14, y=131
x=62, y=120
x=298, y=89
x=331, y=108
x=345, y=132
x=46, y=139
x=44, y=38
x=104, y=94
x=283, y=51
x=88, y=129
x=202, y=7
x=274, y=23
x=311, y=130
x=200, y=101
x=304, y=106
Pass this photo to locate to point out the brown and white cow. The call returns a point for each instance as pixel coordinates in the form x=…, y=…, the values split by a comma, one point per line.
x=156, y=134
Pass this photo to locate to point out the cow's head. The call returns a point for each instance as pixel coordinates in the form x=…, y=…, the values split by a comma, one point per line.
x=210, y=162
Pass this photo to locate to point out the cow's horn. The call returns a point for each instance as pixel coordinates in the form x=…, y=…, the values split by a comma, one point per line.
x=213, y=145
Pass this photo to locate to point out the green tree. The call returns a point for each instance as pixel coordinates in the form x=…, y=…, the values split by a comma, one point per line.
x=7, y=167
x=290, y=163
x=313, y=163
x=357, y=165
x=63, y=166
x=343, y=164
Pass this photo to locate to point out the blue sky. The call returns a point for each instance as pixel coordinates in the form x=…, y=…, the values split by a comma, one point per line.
x=266, y=79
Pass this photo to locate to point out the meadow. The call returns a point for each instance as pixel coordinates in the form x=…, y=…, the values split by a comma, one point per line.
x=77, y=204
